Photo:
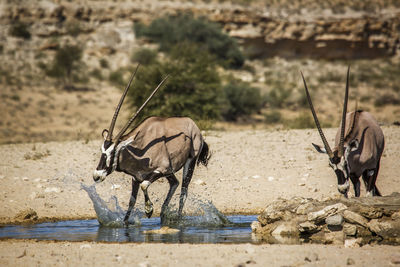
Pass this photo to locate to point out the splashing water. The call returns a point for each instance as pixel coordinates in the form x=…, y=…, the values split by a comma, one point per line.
x=110, y=217
x=204, y=213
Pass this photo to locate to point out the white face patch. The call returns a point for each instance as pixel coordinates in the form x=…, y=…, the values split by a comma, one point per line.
x=108, y=153
x=99, y=175
x=343, y=188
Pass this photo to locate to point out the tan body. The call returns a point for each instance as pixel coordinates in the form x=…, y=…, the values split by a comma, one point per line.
x=371, y=142
x=159, y=145
x=363, y=147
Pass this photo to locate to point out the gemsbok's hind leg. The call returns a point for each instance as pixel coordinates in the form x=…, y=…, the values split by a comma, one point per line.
x=369, y=177
x=188, y=170
x=132, y=200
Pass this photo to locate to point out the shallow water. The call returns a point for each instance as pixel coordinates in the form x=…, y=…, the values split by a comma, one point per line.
x=205, y=225
x=237, y=231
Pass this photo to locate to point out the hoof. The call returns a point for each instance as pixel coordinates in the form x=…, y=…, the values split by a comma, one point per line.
x=148, y=209
x=149, y=213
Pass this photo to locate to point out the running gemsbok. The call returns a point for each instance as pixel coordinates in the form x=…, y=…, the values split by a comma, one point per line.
x=358, y=148
x=158, y=147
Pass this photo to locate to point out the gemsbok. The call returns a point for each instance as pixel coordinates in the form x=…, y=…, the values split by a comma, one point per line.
x=157, y=147
x=359, y=145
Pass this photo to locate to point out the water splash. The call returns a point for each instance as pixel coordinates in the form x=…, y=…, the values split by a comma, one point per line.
x=110, y=216
x=203, y=213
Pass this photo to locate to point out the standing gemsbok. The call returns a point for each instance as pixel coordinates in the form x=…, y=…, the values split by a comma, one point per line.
x=358, y=148
x=158, y=147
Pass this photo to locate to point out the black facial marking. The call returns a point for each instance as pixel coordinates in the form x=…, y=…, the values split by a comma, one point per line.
x=107, y=144
x=340, y=177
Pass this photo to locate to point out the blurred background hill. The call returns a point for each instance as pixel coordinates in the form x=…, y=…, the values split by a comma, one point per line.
x=233, y=64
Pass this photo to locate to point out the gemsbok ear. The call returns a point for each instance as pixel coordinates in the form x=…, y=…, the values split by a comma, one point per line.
x=354, y=145
x=319, y=148
x=105, y=134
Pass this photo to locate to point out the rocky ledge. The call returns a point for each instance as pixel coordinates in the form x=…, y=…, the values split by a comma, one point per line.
x=352, y=222
x=262, y=32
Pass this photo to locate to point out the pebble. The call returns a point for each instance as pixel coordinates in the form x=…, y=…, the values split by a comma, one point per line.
x=25, y=178
x=115, y=186
x=85, y=246
x=52, y=190
x=395, y=259
x=302, y=184
x=350, y=261
x=255, y=176
x=200, y=182
x=270, y=178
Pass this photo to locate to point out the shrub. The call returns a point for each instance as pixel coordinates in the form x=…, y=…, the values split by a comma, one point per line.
x=302, y=121
x=242, y=99
x=116, y=78
x=104, y=63
x=171, y=30
x=65, y=64
x=193, y=89
x=20, y=29
x=273, y=117
x=144, y=56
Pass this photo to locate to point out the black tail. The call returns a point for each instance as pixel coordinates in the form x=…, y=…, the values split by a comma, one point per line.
x=204, y=155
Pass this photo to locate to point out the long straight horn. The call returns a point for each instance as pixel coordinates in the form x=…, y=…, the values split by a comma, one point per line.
x=138, y=111
x=114, y=119
x=343, y=126
x=321, y=133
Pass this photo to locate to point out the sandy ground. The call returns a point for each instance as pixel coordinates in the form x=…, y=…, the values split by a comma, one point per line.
x=248, y=170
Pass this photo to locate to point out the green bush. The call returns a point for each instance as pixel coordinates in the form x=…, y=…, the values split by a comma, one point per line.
x=20, y=29
x=273, y=117
x=144, y=56
x=171, y=30
x=104, y=63
x=303, y=121
x=116, y=78
x=66, y=64
x=242, y=99
x=193, y=89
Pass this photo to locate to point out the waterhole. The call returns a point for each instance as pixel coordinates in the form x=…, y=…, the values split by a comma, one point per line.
x=236, y=231
x=206, y=224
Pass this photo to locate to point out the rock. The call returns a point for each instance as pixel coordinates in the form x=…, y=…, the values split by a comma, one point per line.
x=321, y=215
x=308, y=227
x=396, y=216
x=335, y=238
x=349, y=229
x=163, y=230
x=334, y=220
x=385, y=228
x=255, y=226
x=26, y=215
x=304, y=208
x=286, y=229
x=352, y=243
x=353, y=217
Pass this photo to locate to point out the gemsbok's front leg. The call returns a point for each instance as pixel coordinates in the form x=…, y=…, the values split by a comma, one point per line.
x=173, y=184
x=132, y=200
